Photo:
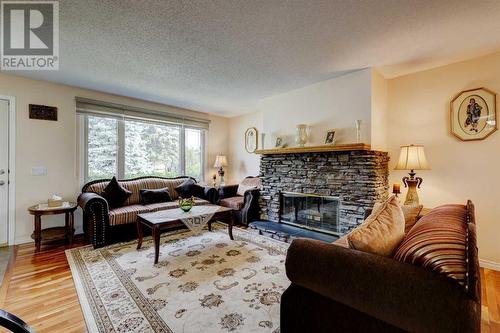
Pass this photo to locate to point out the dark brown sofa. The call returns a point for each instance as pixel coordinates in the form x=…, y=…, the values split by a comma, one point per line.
x=246, y=207
x=103, y=226
x=337, y=289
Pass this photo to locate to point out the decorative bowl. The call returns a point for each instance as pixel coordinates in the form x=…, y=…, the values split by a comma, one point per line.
x=186, y=204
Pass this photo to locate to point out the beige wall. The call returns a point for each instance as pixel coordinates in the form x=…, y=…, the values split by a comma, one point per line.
x=336, y=103
x=379, y=111
x=241, y=163
x=54, y=144
x=418, y=106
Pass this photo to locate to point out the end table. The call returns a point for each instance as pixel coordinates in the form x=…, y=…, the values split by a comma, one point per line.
x=57, y=233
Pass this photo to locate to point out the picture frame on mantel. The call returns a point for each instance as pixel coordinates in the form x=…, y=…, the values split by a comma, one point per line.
x=251, y=140
x=330, y=137
x=473, y=114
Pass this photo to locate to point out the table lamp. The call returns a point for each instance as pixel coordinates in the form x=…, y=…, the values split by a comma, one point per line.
x=220, y=163
x=412, y=158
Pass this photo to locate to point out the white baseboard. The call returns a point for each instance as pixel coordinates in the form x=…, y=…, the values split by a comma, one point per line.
x=23, y=240
x=489, y=264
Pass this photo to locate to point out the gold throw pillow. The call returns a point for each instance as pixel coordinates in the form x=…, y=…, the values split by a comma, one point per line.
x=382, y=232
x=410, y=212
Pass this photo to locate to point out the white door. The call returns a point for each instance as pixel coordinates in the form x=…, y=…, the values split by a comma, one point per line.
x=4, y=173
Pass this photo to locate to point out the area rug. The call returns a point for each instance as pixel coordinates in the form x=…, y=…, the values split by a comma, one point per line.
x=202, y=283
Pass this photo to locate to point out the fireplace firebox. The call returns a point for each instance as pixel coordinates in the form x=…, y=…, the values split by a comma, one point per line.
x=310, y=211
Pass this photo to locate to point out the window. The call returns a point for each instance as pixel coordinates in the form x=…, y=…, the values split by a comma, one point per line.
x=130, y=147
x=152, y=149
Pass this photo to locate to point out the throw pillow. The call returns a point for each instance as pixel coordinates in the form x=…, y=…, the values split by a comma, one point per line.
x=149, y=196
x=410, y=212
x=189, y=189
x=243, y=188
x=115, y=194
x=382, y=232
x=439, y=242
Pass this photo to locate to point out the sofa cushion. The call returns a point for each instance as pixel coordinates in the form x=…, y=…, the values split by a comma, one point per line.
x=438, y=242
x=151, y=196
x=233, y=202
x=243, y=188
x=136, y=185
x=189, y=188
x=411, y=214
x=382, y=232
x=252, y=181
x=115, y=194
x=128, y=214
x=150, y=183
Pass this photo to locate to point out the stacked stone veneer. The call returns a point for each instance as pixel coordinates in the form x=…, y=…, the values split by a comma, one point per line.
x=358, y=178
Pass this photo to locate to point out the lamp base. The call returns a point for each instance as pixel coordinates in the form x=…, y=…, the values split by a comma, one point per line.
x=221, y=176
x=412, y=183
x=412, y=195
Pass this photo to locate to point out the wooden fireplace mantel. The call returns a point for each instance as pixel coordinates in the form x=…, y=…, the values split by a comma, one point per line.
x=315, y=149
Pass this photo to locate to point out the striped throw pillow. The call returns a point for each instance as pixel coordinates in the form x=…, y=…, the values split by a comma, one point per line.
x=438, y=242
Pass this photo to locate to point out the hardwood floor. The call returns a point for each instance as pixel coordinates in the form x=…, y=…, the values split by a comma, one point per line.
x=40, y=290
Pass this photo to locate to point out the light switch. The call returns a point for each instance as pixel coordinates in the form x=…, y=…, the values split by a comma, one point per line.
x=39, y=171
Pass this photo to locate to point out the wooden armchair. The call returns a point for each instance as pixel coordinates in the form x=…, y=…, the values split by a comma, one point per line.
x=245, y=205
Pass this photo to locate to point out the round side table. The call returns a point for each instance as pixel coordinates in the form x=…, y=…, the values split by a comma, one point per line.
x=49, y=235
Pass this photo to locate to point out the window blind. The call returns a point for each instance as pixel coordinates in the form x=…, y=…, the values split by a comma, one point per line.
x=85, y=106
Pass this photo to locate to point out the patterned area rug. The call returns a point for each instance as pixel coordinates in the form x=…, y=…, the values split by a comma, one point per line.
x=202, y=283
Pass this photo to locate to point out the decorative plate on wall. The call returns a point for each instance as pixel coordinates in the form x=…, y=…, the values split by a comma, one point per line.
x=473, y=114
x=251, y=140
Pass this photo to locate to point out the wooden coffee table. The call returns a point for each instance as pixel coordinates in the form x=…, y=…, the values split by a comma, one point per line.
x=167, y=220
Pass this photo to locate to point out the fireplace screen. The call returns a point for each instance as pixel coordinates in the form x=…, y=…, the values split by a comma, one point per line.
x=310, y=211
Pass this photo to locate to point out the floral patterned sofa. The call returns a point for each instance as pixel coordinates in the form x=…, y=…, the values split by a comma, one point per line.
x=103, y=226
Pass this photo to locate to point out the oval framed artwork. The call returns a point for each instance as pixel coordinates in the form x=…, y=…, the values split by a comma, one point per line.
x=473, y=114
x=251, y=140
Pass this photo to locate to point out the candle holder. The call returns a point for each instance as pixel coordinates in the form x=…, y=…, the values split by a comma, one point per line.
x=396, y=189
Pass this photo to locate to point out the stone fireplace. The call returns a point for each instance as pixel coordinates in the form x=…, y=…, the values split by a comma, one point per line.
x=355, y=178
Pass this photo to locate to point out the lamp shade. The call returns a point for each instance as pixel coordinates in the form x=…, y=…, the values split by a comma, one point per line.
x=412, y=157
x=220, y=161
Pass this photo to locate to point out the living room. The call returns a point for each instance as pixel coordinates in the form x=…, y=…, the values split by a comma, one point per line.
x=251, y=167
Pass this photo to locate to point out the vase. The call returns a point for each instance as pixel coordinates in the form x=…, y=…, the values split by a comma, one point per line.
x=186, y=204
x=301, y=135
x=358, y=131
x=262, y=137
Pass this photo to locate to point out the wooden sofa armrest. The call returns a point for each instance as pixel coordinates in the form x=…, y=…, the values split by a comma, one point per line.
x=404, y=295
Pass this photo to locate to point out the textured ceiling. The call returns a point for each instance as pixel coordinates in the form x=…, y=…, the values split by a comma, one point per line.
x=222, y=56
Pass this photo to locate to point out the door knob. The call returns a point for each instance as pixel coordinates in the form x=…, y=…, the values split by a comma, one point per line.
x=2, y=182
x=2, y=171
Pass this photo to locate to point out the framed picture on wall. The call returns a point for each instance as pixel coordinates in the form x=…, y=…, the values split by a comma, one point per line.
x=473, y=114
x=251, y=140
